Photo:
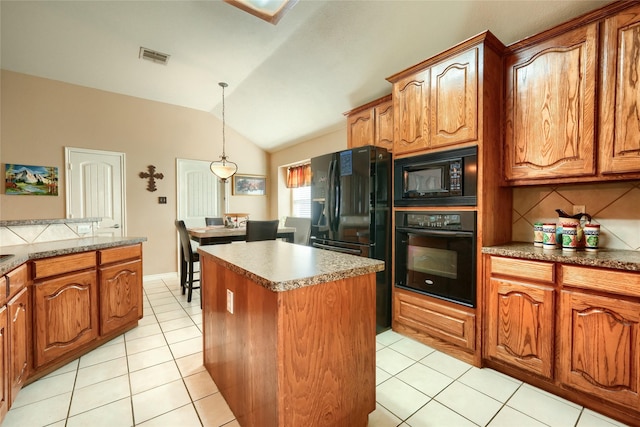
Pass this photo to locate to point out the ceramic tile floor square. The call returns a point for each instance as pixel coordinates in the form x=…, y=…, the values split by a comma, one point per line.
x=153, y=376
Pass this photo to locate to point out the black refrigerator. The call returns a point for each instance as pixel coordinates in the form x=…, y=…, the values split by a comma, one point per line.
x=350, y=192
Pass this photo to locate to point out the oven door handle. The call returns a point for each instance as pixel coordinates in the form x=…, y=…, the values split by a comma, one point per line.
x=338, y=249
x=435, y=233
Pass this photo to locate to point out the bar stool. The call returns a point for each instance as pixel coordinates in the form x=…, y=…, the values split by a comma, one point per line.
x=188, y=258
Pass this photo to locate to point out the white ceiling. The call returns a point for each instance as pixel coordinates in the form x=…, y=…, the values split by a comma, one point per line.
x=287, y=83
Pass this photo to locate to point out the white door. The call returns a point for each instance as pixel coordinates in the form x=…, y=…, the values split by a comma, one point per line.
x=95, y=188
x=200, y=193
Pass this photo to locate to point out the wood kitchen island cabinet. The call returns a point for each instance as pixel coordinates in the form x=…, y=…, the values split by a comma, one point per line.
x=289, y=333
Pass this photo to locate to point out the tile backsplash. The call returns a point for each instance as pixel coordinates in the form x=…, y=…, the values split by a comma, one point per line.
x=615, y=206
x=34, y=231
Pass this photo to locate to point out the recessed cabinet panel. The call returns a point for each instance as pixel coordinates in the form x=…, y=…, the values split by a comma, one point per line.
x=360, y=128
x=4, y=363
x=120, y=296
x=600, y=346
x=454, y=100
x=410, y=113
x=520, y=325
x=550, y=107
x=20, y=341
x=384, y=125
x=66, y=315
x=620, y=95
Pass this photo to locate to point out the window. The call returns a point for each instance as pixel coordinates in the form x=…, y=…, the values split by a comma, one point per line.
x=301, y=201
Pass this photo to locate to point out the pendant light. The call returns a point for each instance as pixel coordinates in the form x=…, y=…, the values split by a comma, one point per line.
x=223, y=168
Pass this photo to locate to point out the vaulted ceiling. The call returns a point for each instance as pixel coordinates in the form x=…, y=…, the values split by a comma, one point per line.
x=287, y=82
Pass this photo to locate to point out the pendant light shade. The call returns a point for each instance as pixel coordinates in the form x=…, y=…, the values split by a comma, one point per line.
x=223, y=168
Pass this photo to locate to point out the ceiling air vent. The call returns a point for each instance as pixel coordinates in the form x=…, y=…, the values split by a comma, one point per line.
x=152, y=55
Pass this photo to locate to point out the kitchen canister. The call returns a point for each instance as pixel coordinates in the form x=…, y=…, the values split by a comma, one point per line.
x=569, y=237
x=537, y=234
x=591, y=236
x=549, y=235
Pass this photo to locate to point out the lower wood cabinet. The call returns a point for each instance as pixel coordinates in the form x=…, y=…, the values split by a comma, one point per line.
x=521, y=322
x=520, y=312
x=576, y=334
x=600, y=346
x=66, y=315
x=19, y=341
x=120, y=295
x=4, y=362
x=435, y=323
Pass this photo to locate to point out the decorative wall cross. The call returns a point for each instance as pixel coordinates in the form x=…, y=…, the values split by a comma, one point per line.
x=152, y=176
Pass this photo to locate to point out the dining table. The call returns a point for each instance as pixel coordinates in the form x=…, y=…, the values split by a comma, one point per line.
x=216, y=234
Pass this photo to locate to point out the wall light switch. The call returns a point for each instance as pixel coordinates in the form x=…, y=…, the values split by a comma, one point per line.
x=162, y=200
x=229, y=301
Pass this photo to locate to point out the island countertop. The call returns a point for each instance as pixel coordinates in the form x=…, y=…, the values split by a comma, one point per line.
x=23, y=253
x=605, y=258
x=281, y=266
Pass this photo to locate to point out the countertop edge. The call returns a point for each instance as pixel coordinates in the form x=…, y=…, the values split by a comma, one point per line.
x=617, y=259
x=24, y=253
x=366, y=266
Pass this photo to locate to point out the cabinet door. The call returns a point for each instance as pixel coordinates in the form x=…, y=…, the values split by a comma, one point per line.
x=454, y=100
x=120, y=296
x=411, y=113
x=4, y=363
x=520, y=325
x=550, y=107
x=600, y=346
x=360, y=128
x=66, y=315
x=620, y=95
x=20, y=341
x=384, y=125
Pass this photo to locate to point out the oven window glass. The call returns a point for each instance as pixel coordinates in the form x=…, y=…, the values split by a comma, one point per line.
x=424, y=180
x=439, y=262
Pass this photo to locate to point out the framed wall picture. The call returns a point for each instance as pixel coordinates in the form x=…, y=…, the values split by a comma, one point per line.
x=30, y=180
x=249, y=185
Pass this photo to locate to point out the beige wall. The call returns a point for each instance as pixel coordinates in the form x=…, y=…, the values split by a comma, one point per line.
x=331, y=142
x=40, y=117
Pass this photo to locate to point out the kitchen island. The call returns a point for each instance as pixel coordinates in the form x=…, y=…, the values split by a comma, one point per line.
x=289, y=333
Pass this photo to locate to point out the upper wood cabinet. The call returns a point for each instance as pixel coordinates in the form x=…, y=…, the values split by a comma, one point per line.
x=411, y=112
x=371, y=124
x=620, y=93
x=439, y=102
x=550, y=107
x=454, y=100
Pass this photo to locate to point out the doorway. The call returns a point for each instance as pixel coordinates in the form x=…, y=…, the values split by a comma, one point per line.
x=95, y=187
x=200, y=193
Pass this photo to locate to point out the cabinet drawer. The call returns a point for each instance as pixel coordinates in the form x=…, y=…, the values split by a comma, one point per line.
x=63, y=264
x=618, y=282
x=18, y=279
x=524, y=269
x=106, y=256
x=448, y=324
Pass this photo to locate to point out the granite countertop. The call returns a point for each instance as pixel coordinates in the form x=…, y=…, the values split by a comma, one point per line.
x=605, y=258
x=282, y=266
x=23, y=253
x=16, y=222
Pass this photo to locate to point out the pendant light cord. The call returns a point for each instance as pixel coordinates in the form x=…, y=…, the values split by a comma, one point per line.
x=224, y=156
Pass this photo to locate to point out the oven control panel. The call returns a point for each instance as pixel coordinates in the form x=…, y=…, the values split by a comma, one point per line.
x=437, y=220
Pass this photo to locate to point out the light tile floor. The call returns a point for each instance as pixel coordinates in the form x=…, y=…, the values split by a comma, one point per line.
x=153, y=376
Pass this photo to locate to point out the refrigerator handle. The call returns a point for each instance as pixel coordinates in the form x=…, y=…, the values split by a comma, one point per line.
x=330, y=195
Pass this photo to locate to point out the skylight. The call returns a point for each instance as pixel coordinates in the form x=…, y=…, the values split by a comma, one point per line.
x=269, y=10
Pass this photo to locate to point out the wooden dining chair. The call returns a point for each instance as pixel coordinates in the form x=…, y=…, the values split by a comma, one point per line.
x=188, y=257
x=262, y=230
x=213, y=221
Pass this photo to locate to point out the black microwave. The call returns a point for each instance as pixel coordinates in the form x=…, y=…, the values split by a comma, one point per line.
x=445, y=178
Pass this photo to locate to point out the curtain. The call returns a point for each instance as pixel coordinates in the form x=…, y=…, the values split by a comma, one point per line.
x=299, y=176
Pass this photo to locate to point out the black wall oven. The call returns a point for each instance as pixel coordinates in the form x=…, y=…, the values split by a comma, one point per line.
x=436, y=254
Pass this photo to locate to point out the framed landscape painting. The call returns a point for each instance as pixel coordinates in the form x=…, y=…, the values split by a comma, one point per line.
x=30, y=180
x=249, y=185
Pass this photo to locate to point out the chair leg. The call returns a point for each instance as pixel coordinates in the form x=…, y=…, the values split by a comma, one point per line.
x=190, y=282
x=183, y=272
